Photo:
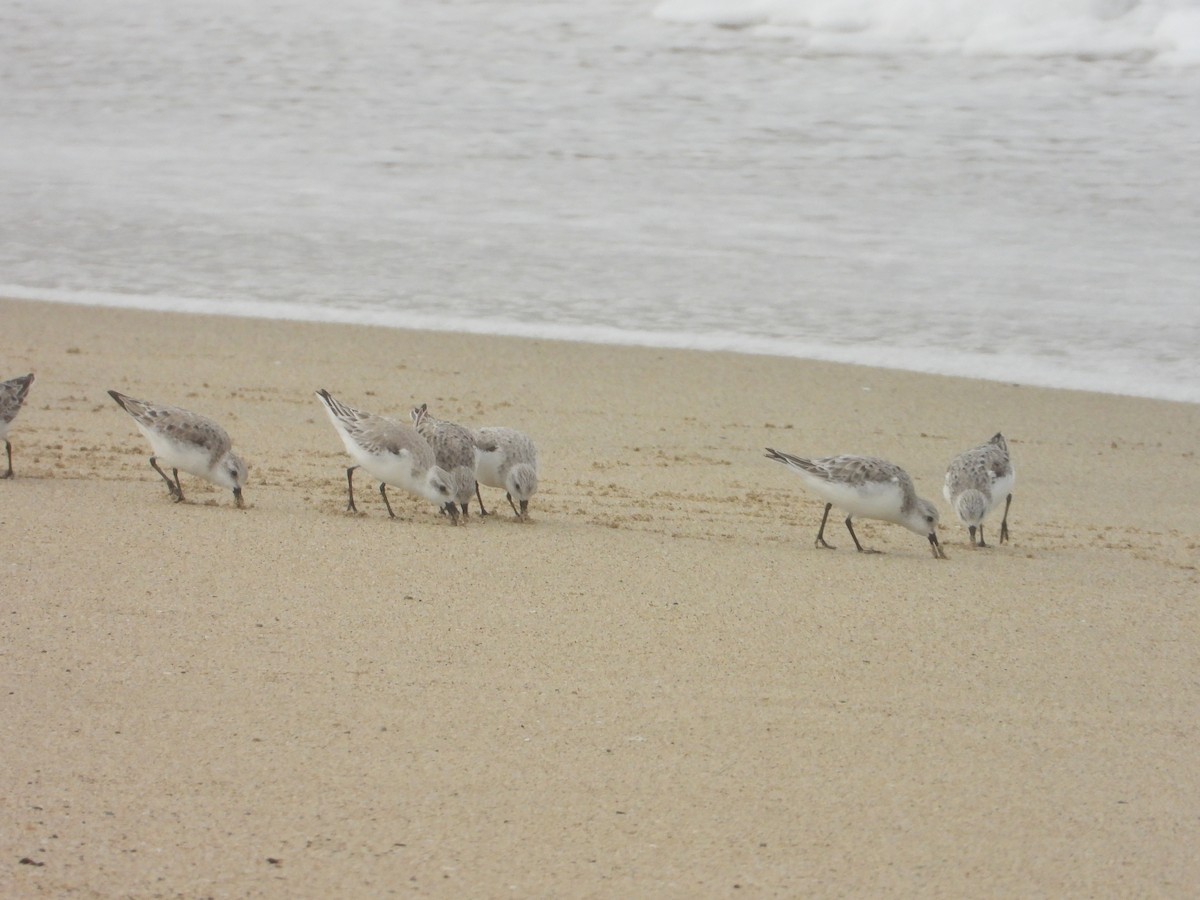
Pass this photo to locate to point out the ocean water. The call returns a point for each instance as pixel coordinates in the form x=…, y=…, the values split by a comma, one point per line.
x=1003, y=190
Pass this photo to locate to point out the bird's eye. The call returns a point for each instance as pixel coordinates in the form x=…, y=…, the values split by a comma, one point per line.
x=929, y=519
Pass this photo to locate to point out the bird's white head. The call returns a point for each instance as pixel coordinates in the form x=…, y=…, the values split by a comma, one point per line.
x=231, y=473
x=970, y=506
x=521, y=484
x=924, y=520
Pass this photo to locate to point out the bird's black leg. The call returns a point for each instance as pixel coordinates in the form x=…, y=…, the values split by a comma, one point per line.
x=516, y=511
x=972, y=529
x=9, y=473
x=1004, y=521
x=178, y=486
x=350, y=507
x=821, y=532
x=172, y=486
x=482, y=511
x=860, y=547
x=383, y=494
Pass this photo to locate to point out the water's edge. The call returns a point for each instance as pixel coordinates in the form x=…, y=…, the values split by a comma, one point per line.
x=997, y=368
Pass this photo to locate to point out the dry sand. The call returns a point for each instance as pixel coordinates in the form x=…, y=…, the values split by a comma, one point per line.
x=658, y=688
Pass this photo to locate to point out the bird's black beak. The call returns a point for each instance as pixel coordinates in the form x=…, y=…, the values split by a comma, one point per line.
x=938, y=552
x=237, y=498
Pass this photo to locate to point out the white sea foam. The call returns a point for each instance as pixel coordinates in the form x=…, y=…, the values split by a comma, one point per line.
x=1129, y=376
x=1165, y=29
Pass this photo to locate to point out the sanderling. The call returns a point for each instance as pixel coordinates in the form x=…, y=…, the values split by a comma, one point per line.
x=391, y=451
x=186, y=440
x=453, y=448
x=12, y=395
x=869, y=487
x=975, y=482
x=506, y=458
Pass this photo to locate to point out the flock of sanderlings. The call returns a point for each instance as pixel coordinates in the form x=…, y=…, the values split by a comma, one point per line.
x=444, y=463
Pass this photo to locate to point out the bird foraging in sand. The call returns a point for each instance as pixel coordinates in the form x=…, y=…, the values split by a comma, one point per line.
x=508, y=459
x=865, y=486
x=453, y=449
x=185, y=440
x=393, y=452
x=976, y=480
x=12, y=396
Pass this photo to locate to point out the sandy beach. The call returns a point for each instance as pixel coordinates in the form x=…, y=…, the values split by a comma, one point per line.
x=656, y=688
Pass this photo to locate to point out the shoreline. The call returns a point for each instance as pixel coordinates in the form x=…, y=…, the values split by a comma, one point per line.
x=658, y=687
x=995, y=367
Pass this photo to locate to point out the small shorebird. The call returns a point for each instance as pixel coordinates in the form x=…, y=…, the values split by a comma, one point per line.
x=869, y=487
x=975, y=482
x=186, y=440
x=392, y=452
x=506, y=458
x=12, y=395
x=454, y=450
